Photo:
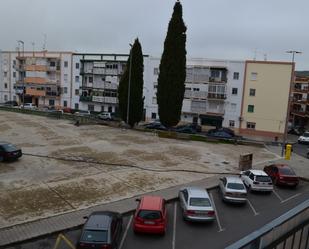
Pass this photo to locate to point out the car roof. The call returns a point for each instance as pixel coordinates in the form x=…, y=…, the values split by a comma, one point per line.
x=3, y=143
x=150, y=202
x=100, y=220
x=197, y=192
x=258, y=172
x=233, y=179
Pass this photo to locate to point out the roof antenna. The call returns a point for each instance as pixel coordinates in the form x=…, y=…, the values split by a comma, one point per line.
x=255, y=52
x=44, y=43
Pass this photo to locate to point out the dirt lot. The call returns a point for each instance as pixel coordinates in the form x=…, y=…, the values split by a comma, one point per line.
x=35, y=187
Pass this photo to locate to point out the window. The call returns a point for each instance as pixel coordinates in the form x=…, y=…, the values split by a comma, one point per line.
x=14, y=62
x=233, y=107
x=102, y=108
x=250, y=125
x=52, y=64
x=77, y=65
x=155, y=85
x=5, y=74
x=5, y=85
x=90, y=79
x=196, y=89
x=234, y=91
x=156, y=71
x=90, y=107
x=65, y=90
x=76, y=78
x=232, y=123
x=51, y=102
x=76, y=106
x=65, y=103
x=5, y=98
x=65, y=77
x=76, y=91
x=110, y=109
x=14, y=74
x=250, y=108
x=253, y=76
x=14, y=98
x=66, y=64
x=154, y=100
x=235, y=76
x=153, y=115
x=252, y=92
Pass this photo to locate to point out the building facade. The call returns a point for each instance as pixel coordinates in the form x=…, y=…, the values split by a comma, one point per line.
x=265, y=99
x=213, y=91
x=299, y=112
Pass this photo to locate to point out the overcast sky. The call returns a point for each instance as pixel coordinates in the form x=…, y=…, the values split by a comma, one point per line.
x=223, y=29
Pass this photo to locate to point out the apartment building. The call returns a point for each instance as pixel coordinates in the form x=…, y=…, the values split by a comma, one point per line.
x=213, y=91
x=299, y=111
x=265, y=98
x=100, y=76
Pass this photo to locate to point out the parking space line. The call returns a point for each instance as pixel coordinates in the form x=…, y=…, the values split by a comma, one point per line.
x=125, y=232
x=174, y=226
x=291, y=197
x=252, y=208
x=278, y=196
x=216, y=213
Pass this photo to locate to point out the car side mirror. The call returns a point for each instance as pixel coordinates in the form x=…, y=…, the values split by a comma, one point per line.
x=138, y=199
x=85, y=217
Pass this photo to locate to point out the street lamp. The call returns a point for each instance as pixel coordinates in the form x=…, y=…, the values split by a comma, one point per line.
x=129, y=85
x=22, y=73
x=293, y=52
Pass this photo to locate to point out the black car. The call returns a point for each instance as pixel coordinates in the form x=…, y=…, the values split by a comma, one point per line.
x=189, y=128
x=221, y=133
x=156, y=126
x=11, y=103
x=102, y=230
x=9, y=152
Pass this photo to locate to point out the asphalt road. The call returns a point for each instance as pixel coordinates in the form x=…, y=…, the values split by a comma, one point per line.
x=301, y=149
x=233, y=222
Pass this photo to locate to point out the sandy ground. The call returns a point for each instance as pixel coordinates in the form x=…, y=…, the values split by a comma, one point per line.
x=35, y=187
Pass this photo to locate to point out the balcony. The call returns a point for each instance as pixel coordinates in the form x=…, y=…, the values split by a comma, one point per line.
x=52, y=94
x=195, y=95
x=35, y=80
x=53, y=69
x=36, y=68
x=103, y=99
x=300, y=101
x=301, y=112
x=35, y=92
x=301, y=90
x=216, y=96
x=85, y=98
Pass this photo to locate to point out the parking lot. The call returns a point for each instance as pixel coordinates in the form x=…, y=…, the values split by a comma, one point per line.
x=232, y=223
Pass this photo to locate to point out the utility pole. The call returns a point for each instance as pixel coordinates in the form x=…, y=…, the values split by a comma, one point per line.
x=129, y=85
x=22, y=71
x=293, y=52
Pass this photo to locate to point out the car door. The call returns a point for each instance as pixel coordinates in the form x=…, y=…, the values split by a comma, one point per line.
x=250, y=179
x=222, y=185
x=183, y=199
x=245, y=177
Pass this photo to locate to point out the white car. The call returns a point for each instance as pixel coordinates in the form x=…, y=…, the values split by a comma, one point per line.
x=105, y=116
x=233, y=189
x=304, y=139
x=257, y=180
x=28, y=106
x=196, y=204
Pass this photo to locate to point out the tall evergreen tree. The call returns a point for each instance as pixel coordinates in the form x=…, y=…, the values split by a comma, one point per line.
x=172, y=74
x=136, y=101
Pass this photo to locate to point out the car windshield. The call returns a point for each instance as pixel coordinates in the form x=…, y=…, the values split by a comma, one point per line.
x=262, y=179
x=306, y=134
x=200, y=202
x=9, y=147
x=94, y=236
x=286, y=171
x=237, y=186
x=149, y=214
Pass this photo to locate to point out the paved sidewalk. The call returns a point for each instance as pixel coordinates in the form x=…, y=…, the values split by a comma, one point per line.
x=29, y=230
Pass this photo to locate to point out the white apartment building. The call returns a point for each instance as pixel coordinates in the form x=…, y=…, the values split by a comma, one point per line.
x=213, y=91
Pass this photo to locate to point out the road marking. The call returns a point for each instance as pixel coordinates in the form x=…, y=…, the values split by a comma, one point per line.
x=291, y=197
x=125, y=232
x=253, y=209
x=276, y=194
x=174, y=226
x=216, y=213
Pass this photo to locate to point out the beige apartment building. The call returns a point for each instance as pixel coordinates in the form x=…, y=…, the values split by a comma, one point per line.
x=265, y=101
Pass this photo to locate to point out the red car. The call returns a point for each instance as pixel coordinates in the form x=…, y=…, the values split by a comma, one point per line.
x=9, y=152
x=150, y=215
x=282, y=174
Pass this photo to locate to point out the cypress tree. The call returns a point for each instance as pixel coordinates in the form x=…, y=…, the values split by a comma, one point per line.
x=172, y=70
x=136, y=102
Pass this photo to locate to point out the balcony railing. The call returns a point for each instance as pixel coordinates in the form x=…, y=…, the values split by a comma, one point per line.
x=300, y=112
x=196, y=95
x=52, y=94
x=85, y=98
x=216, y=96
x=100, y=99
x=301, y=90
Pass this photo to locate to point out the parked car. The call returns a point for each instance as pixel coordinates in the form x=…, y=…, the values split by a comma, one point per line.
x=282, y=174
x=196, y=204
x=257, y=180
x=67, y=110
x=28, y=106
x=296, y=130
x=155, y=126
x=82, y=113
x=11, y=103
x=233, y=189
x=304, y=139
x=9, y=152
x=150, y=215
x=106, y=116
x=102, y=230
x=188, y=128
x=221, y=133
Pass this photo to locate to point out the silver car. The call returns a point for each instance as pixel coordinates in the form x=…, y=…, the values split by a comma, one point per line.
x=196, y=204
x=233, y=189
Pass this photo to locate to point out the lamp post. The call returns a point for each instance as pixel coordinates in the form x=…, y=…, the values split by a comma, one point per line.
x=129, y=85
x=293, y=52
x=22, y=72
